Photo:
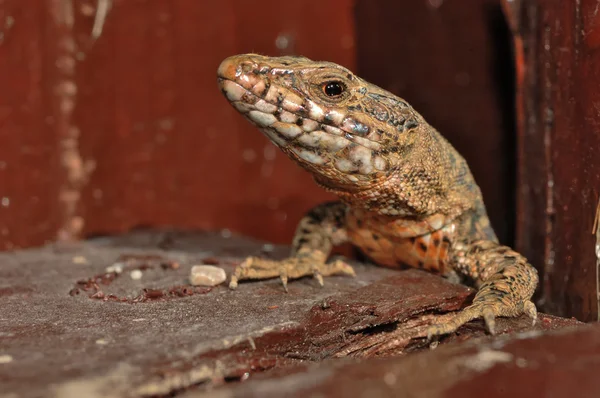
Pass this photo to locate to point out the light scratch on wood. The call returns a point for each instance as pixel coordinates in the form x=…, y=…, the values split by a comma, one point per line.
x=76, y=169
x=101, y=12
x=596, y=231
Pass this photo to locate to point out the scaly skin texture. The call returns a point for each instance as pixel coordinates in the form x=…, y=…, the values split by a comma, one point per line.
x=407, y=198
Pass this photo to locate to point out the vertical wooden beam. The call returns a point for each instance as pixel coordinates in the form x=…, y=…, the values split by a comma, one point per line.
x=558, y=50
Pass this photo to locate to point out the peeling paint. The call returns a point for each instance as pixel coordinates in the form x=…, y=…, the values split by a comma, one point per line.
x=76, y=169
x=102, y=11
x=9, y=21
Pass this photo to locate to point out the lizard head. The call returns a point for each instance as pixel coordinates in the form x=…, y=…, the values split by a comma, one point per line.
x=348, y=133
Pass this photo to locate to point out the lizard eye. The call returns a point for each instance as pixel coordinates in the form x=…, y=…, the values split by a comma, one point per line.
x=333, y=88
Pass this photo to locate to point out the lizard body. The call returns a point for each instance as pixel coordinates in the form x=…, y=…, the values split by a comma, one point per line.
x=407, y=197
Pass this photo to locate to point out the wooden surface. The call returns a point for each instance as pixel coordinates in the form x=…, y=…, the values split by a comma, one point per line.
x=70, y=328
x=527, y=365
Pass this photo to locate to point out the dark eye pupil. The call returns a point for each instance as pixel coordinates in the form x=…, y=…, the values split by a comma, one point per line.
x=333, y=89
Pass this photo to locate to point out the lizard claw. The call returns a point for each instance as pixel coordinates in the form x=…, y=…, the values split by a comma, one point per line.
x=317, y=275
x=233, y=282
x=283, y=275
x=341, y=267
x=489, y=319
x=531, y=311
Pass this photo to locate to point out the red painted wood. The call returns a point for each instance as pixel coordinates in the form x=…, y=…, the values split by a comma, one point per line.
x=149, y=140
x=30, y=173
x=169, y=149
x=559, y=142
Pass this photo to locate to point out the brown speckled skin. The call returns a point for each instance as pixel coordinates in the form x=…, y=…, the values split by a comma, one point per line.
x=407, y=198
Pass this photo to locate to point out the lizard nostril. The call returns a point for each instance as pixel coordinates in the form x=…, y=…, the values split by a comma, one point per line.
x=227, y=68
x=248, y=67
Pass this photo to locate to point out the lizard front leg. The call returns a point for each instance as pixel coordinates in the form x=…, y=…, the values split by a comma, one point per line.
x=505, y=279
x=321, y=229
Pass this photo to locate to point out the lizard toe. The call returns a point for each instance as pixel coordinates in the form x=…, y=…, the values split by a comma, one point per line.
x=490, y=319
x=317, y=275
x=531, y=311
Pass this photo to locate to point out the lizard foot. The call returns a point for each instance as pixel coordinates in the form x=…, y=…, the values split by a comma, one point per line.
x=290, y=268
x=487, y=309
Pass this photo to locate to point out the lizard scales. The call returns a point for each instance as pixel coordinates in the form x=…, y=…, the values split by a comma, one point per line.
x=407, y=197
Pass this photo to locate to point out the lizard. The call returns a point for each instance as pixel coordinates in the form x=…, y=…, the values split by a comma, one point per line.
x=407, y=198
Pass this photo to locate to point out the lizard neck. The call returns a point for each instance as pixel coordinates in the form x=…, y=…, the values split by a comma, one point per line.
x=383, y=197
x=430, y=178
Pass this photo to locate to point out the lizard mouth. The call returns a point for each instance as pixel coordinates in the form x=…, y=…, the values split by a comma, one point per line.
x=317, y=138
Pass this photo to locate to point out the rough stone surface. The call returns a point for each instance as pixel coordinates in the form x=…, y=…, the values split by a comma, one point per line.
x=73, y=329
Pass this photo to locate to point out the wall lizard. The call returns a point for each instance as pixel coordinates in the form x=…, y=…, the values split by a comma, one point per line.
x=406, y=197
